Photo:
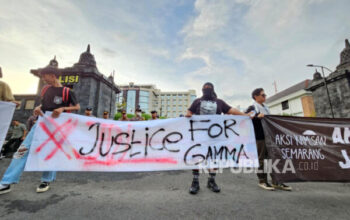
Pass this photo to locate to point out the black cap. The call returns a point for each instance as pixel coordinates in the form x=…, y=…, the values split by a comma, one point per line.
x=88, y=109
x=154, y=111
x=138, y=110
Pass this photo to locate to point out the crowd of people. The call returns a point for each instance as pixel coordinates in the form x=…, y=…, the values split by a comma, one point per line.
x=57, y=99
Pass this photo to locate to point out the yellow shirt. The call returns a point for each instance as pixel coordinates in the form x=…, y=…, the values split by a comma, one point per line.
x=5, y=92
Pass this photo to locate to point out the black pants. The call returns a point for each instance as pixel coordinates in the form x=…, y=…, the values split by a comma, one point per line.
x=11, y=146
x=262, y=154
x=211, y=172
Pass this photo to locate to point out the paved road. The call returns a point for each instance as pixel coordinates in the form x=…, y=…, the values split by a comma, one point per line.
x=164, y=195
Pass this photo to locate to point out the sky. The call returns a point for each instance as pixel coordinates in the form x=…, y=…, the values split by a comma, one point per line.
x=177, y=45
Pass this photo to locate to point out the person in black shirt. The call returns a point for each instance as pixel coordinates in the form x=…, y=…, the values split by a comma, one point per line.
x=209, y=104
x=55, y=98
x=260, y=110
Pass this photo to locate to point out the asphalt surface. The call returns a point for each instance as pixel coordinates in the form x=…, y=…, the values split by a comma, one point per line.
x=164, y=195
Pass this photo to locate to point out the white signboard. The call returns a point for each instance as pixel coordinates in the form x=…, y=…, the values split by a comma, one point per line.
x=80, y=143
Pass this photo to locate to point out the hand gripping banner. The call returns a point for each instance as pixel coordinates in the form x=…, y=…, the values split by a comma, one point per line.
x=79, y=143
x=314, y=149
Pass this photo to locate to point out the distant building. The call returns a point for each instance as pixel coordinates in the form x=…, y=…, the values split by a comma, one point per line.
x=138, y=96
x=148, y=98
x=173, y=104
x=293, y=101
x=338, y=84
x=91, y=87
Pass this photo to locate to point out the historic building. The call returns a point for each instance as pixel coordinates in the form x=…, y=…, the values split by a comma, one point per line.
x=338, y=85
x=91, y=87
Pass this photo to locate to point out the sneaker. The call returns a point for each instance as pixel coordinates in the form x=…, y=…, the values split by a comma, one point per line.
x=213, y=186
x=266, y=186
x=194, y=187
x=5, y=189
x=282, y=187
x=43, y=187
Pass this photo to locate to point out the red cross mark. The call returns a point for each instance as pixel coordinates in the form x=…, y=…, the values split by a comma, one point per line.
x=64, y=130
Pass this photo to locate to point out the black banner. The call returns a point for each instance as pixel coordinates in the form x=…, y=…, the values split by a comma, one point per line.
x=308, y=149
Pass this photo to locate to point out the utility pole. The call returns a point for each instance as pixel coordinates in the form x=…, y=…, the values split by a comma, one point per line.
x=275, y=86
x=325, y=84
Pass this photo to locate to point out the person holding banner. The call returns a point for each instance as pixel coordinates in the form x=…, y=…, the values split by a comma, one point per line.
x=5, y=92
x=209, y=104
x=55, y=98
x=260, y=110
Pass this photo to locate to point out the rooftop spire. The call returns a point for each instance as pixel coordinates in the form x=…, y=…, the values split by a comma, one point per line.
x=345, y=56
x=53, y=62
x=86, y=58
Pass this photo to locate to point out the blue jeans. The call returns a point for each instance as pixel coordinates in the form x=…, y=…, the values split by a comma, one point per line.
x=16, y=168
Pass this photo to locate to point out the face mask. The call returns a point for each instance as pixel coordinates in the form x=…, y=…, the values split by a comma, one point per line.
x=208, y=93
x=138, y=114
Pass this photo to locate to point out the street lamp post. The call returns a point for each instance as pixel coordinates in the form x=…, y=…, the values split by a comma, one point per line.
x=325, y=83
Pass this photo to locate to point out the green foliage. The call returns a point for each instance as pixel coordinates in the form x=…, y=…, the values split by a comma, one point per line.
x=146, y=116
x=117, y=116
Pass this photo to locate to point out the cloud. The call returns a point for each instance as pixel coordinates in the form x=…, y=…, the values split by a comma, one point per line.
x=108, y=52
x=262, y=42
x=177, y=45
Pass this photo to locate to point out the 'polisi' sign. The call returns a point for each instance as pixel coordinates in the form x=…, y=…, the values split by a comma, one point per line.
x=69, y=79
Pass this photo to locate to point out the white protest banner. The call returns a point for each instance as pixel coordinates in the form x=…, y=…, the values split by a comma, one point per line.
x=6, y=113
x=80, y=143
